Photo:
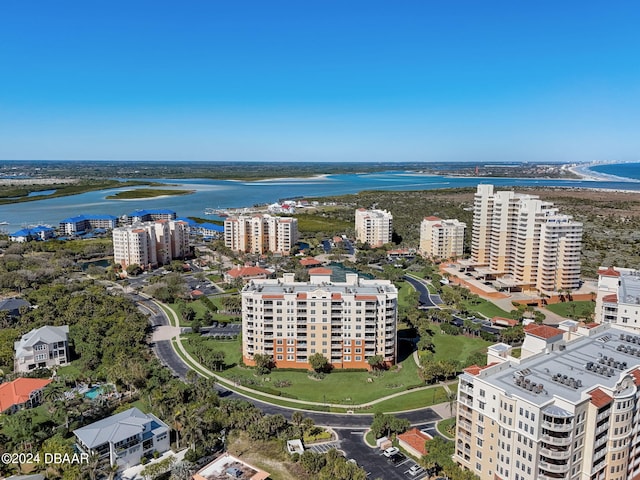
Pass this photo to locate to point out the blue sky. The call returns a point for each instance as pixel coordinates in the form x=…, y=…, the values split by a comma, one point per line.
x=320, y=80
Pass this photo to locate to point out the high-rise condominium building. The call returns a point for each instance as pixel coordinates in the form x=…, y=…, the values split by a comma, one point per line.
x=569, y=408
x=261, y=234
x=347, y=322
x=525, y=240
x=618, y=297
x=374, y=227
x=150, y=244
x=442, y=238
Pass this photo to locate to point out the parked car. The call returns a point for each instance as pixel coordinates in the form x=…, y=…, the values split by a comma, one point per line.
x=390, y=452
x=415, y=470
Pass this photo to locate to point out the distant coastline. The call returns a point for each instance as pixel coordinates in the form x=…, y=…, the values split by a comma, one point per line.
x=586, y=173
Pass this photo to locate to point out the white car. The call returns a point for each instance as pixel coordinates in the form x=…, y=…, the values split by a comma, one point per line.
x=415, y=470
x=391, y=451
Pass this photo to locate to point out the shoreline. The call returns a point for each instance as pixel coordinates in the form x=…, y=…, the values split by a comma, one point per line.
x=584, y=171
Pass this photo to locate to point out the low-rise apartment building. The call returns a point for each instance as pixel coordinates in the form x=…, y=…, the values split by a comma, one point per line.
x=567, y=408
x=261, y=234
x=441, y=239
x=123, y=439
x=44, y=347
x=150, y=244
x=347, y=322
x=374, y=227
x=84, y=223
x=151, y=215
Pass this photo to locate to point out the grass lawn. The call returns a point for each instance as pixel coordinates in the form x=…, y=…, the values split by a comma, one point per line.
x=405, y=290
x=411, y=400
x=486, y=308
x=369, y=438
x=308, y=223
x=573, y=309
x=200, y=309
x=337, y=387
x=456, y=347
x=71, y=371
x=445, y=425
x=231, y=348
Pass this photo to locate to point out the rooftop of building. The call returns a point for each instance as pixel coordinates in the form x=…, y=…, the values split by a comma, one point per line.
x=353, y=285
x=599, y=360
x=226, y=466
x=629, y=291
x=117, y=428
x=25, y=232
x=83, y=216
x=46, y=334
x=152, y=211
x=18, y=391
x=416, y=439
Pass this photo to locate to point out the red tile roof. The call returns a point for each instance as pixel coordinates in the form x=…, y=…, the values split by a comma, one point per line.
x=609, y=272
x=275, y=296
x=415, y=439
x=196, y=293
x=542, y=331
x=247, y=272
x=336, y=296
x=476, y=369
x=432, y=218
x=613, y=298
x=366, y=297
x=302, y=295
x=599, y=398
x=308, y=261
x=510, y=322
x=320, y=271
x=18, y=391
x=636, y=376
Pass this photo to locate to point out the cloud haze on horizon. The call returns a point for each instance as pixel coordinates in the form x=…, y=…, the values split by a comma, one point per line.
x=320, y=81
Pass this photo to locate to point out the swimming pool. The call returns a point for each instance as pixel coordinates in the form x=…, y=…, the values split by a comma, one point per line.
x=94, y=392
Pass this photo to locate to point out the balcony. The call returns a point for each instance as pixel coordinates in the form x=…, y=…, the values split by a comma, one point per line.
x=553, y=467
x=560, y=441
x=555, y=454
x=557, y=427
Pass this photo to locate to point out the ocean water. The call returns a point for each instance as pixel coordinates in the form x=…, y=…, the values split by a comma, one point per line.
x=623, y=170
x=234, y=194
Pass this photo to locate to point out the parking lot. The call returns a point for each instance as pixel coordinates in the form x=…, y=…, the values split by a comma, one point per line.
x=232, y=329
x=323, y=447
x=408, y=467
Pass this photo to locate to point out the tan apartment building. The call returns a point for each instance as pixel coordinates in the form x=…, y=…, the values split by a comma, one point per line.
x=567, y=408
x=442, y=238
x=150, y=244
x=524, y=241
x=261, y=234
x=374, y=227
x=347, y=322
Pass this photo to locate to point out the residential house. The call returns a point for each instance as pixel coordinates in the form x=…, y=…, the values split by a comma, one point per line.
x=123, y=439
x=228, y=466
x=21, y=393
x=13, y=305
x=44, y=347
x=246, y=274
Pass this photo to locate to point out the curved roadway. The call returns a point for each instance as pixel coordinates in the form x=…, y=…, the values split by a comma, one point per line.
x=168, y=357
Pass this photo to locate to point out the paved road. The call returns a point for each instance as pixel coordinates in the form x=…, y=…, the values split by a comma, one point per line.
x=168, y=357
x=423, y=291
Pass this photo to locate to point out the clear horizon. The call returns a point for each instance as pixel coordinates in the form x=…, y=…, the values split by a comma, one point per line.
x=361, y=81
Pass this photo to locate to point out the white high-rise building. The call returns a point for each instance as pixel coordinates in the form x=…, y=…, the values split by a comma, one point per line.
x=525, y=241
x=618, y=297
x=568, y=408
x=261, y=234
x=374, y=227
x=442, y=238
x=346, y=322
x=149, y=244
